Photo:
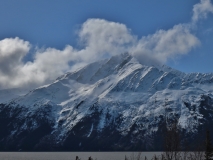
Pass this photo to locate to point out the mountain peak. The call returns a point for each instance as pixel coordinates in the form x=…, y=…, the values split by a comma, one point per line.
x=117, y=97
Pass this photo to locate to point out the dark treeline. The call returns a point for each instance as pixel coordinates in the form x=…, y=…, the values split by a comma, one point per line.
x=177, y=146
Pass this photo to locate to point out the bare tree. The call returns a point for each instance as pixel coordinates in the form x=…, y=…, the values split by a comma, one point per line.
x=172, y=142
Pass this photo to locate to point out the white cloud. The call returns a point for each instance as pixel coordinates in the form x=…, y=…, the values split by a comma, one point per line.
x=201, y=10
x=165, y=44
x=12, y=51
x=100, y=39
x=46, y=66
x=103, y=38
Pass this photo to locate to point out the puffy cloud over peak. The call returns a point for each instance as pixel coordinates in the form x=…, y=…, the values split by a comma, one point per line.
x=111, y=32
x=165, y=44
x=100, y=39
x=103, y=38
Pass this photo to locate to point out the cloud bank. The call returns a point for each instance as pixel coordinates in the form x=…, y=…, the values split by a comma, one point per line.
x=100, y=39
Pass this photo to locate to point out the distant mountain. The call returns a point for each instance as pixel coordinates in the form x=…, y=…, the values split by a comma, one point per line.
x=113, y=104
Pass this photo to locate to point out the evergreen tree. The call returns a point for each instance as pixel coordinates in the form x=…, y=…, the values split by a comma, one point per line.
x=208, y=147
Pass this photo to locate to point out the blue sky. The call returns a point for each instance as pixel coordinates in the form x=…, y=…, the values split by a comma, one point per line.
x=36, y=36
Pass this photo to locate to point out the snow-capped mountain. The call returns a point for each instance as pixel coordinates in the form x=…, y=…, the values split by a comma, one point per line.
x=113, y=104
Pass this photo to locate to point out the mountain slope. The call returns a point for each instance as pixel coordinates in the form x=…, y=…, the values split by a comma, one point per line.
x=8, y=94
x=114, y=104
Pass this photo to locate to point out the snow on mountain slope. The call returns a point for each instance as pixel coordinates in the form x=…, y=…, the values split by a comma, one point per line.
x=118, y=93
x=9, y=94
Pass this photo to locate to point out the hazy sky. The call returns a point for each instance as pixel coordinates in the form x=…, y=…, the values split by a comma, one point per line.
x=42, y=39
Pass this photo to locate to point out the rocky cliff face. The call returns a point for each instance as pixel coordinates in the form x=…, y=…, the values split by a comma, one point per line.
x=114, y=104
